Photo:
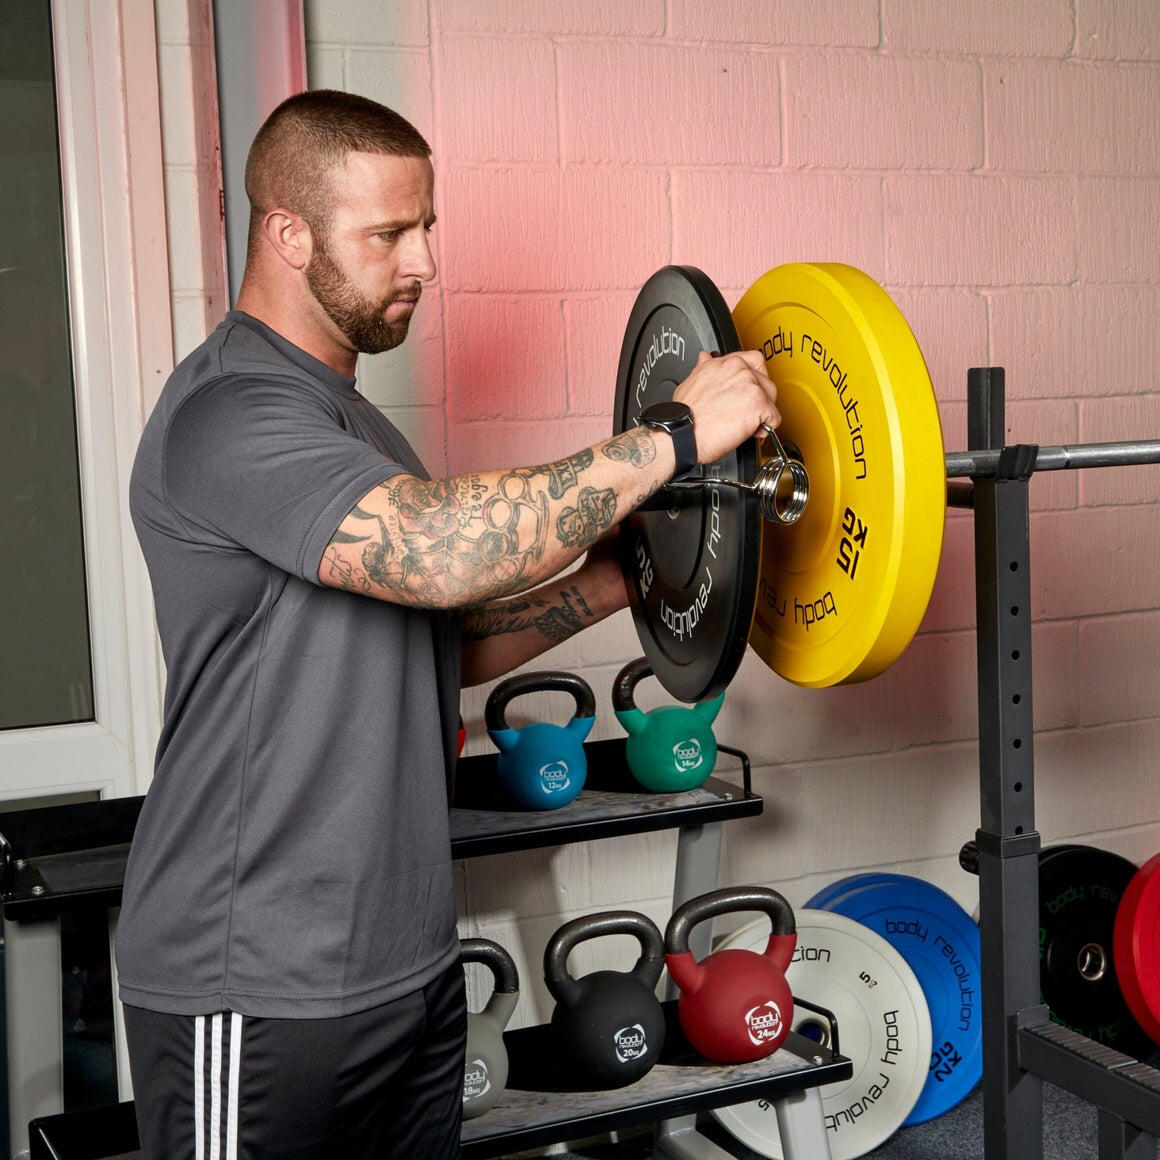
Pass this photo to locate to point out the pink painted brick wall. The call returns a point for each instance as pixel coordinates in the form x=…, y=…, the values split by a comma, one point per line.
x=1067, y=117
x=627, y=103
x=843, y=112
x=996, y=165
x=1106, y=31
x=979, y=27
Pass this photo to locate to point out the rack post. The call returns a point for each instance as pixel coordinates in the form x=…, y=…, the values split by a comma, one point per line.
x=1007, y=840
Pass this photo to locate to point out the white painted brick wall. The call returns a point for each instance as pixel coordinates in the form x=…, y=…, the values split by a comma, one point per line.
x=996, y=165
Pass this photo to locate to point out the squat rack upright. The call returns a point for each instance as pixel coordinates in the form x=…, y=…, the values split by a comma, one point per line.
x=1021, y=1046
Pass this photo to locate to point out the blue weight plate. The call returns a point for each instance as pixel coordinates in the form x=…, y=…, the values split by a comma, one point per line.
x=940, y=943
x=821, y=900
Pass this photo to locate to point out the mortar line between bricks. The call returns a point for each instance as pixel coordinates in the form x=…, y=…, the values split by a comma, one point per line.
x=716, y=168
x=559, y=108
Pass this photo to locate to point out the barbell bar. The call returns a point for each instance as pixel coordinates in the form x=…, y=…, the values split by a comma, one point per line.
x=770, y=484
x=1066, y=457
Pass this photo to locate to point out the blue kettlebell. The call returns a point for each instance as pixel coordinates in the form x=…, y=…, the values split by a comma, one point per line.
x=670, y=748
x=541, y=766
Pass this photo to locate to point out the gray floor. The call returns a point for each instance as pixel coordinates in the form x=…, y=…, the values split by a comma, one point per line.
x=1069, y=1133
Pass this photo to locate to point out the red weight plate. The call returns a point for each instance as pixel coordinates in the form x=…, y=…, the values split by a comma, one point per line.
x=1136, y=946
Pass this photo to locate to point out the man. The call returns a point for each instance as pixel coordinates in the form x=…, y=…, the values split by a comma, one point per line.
x=287, y=946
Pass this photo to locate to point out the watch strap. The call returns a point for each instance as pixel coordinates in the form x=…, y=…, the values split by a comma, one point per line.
x=685, y=447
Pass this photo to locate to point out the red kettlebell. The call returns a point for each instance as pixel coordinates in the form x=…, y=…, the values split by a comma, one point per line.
x=735, y=1005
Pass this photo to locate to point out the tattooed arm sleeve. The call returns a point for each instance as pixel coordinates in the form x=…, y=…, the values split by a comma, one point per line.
x=503, y=634
x=460, y=542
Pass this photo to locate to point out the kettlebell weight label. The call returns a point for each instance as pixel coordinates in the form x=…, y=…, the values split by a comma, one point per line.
x=631, y=1043
x=687, y=754
x=763, y=1023
x=475, y=1080
x=554, y=777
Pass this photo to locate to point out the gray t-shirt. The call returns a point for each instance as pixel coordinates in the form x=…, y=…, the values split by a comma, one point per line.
x=292, y=858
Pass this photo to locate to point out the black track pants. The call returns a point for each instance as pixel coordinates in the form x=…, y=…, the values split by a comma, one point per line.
x=378, y=1085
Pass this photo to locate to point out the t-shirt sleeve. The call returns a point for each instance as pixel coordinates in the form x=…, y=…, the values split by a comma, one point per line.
x=265, y=465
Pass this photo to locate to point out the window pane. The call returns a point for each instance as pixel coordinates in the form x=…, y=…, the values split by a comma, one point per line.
x=45, y=671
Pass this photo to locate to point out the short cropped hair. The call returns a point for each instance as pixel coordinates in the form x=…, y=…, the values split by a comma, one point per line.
x=305, y=137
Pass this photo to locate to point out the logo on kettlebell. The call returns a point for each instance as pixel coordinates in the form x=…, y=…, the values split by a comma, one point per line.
x=475, y=1081
x=630, y=1043
x=687, y=754
x=554, y=776
x=763, y=1023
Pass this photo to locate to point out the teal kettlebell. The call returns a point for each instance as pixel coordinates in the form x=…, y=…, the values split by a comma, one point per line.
x=485, y=1066
x=541, y=766
x=670, y=748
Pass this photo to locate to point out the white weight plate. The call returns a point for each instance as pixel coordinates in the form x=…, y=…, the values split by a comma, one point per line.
x=883, y=1027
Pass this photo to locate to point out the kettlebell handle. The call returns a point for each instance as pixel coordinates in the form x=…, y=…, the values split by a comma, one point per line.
x=495, y=711
x=718, y=902
x=496, y=959
x=647, y=968
x=624, y=687
x=624, y=693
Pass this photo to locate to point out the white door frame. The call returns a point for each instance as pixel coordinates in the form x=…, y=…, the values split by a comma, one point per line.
x=109, y=127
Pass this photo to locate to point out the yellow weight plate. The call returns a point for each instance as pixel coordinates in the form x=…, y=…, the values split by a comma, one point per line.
x=841, y=592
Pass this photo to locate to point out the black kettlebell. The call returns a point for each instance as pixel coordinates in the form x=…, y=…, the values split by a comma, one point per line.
x=485, y=1064
x=608, y=1027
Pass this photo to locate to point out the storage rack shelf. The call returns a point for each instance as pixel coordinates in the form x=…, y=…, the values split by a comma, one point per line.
x=45, y=874
x=535, y=1114
x=62, y=857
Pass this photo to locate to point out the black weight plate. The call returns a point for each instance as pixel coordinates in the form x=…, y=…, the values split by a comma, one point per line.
x=690, y=561
x=1079, y=892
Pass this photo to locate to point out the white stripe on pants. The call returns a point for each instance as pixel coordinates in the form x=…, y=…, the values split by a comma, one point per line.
x=233, y=1084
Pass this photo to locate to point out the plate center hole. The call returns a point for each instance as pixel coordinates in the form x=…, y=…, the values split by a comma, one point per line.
x=815, y=1030
x=1092, y=962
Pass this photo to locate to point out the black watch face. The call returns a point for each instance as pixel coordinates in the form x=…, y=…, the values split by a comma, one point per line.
x=667, y=412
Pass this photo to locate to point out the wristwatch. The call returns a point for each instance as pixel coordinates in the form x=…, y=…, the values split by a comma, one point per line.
x=677, y=420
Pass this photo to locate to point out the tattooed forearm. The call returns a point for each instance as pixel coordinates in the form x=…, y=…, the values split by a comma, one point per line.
x=564, y=473
x=595, y=513
x=556, y=621
x=464, y=540
x=635, y=447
